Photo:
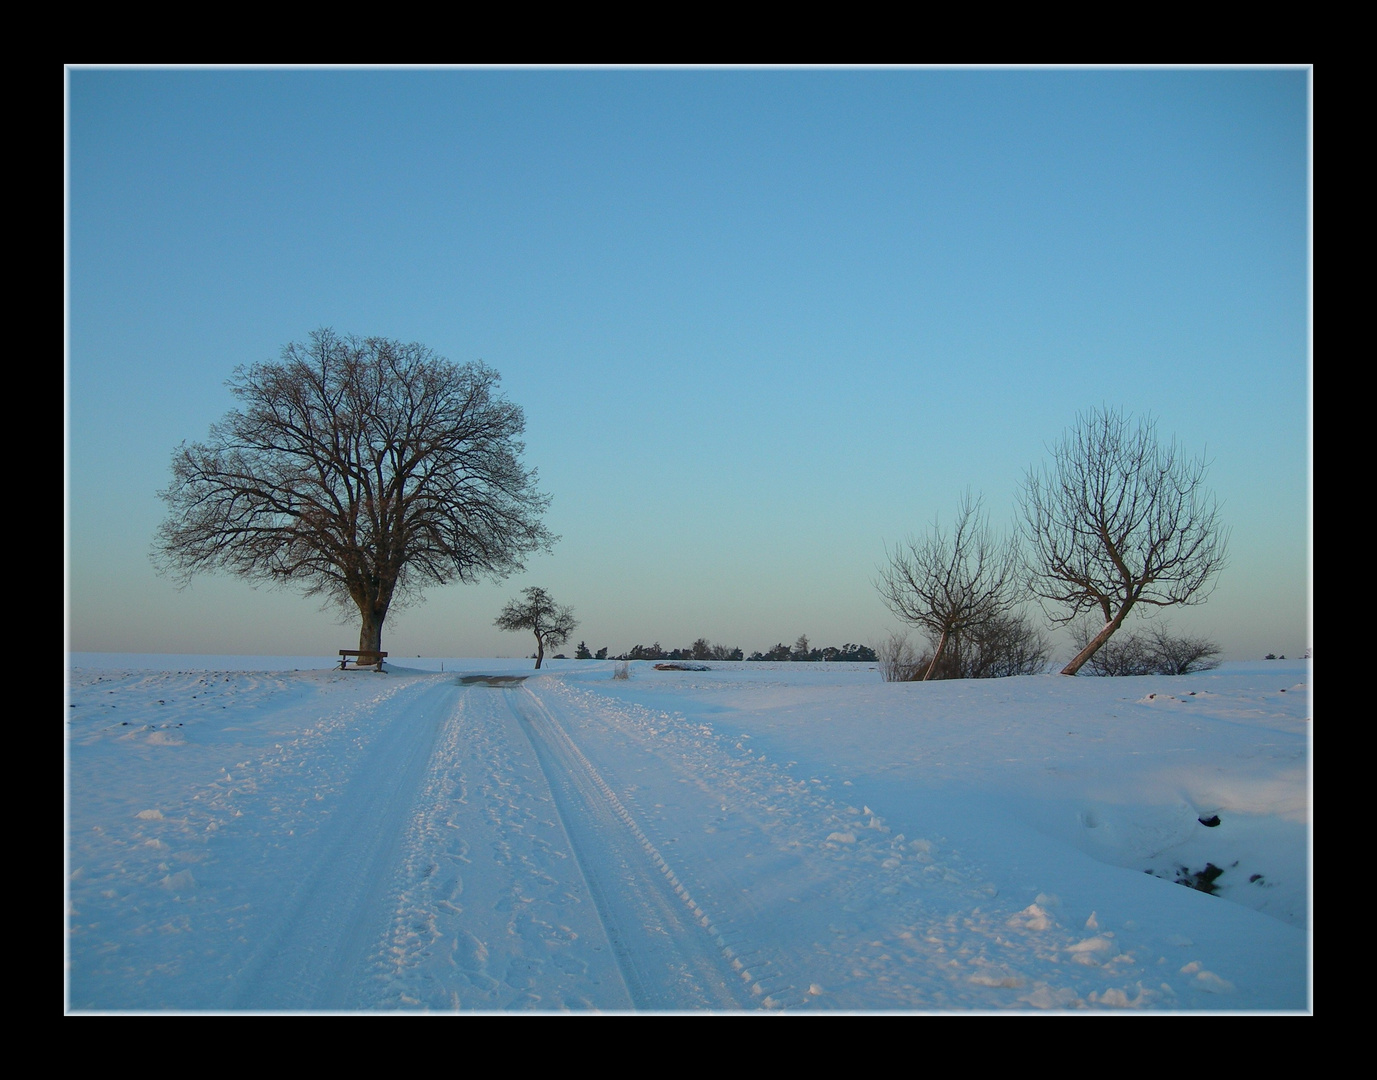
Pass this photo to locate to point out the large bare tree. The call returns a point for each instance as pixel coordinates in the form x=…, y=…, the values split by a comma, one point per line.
x=951, y=583
x=549, y=622
x=1118, y=520
x=359, y=470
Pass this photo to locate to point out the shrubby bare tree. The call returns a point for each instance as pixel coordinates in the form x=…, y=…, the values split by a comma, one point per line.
x=1151, y=652
x=1125, y=654
x=1118, y=520
x=359, y=470
x=951, y=584
x=549, y=622
x=1011, y=644
x=897, y=660
x=1183, y=655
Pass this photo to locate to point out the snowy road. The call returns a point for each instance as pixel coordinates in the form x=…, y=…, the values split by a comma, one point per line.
x=334, y=889
x=665, y=946
x=450, y=809
x=339, y=841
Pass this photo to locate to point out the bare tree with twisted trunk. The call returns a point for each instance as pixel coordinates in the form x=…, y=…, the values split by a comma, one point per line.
x=1117, y=520
x=359, y=470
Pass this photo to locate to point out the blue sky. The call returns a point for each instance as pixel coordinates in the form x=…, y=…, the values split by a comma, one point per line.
x=762, y=322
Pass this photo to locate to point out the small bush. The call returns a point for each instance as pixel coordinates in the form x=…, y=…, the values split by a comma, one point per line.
x=621, y=669
x=1156, y=652
x=1010, y=645
x=897, y=660
x=1182, y=655
x=1123, y=654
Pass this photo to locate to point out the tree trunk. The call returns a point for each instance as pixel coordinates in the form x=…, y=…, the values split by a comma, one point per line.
x=936, y=656
x=1094, y=646
x=370, y=630
x=540, y=650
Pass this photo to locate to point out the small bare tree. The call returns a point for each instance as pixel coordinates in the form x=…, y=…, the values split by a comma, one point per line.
x=1118, y=520
x=951, y=584
x=538, y=613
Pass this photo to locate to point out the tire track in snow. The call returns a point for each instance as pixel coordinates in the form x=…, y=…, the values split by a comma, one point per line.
x=689, y=793
x=819, y=900
x=670, y=951
x=490, y=911
x=335, y=911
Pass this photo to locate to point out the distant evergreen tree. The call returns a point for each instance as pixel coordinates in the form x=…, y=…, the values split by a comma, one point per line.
x=582, y=653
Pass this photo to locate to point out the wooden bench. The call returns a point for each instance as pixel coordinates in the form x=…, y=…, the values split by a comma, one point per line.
x=364, y=658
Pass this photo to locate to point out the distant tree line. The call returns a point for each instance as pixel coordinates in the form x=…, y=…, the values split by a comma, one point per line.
x=801, y=651
x=702, y=649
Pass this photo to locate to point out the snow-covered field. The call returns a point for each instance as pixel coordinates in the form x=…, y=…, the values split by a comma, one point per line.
x=267, y=833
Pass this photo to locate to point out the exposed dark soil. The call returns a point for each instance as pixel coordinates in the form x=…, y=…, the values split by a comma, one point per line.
x=1200, y=880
